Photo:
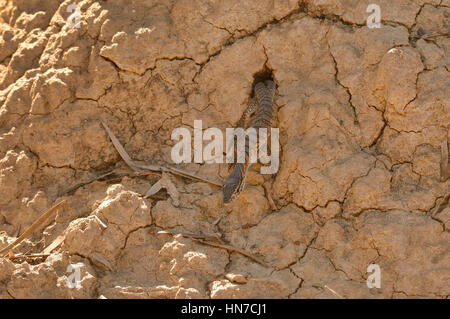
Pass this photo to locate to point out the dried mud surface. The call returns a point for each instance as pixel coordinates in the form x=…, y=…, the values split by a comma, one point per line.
x=362, y=116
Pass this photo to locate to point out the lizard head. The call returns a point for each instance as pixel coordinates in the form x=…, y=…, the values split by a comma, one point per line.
x=230, y=189
x=234, y=184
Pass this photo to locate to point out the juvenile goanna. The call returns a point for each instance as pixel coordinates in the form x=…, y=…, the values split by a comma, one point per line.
x=260, y=113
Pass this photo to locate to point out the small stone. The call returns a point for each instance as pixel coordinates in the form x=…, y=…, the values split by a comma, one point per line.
x=237, y=278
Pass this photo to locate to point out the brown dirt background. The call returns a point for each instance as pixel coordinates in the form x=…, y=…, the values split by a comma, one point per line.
x=362, y=116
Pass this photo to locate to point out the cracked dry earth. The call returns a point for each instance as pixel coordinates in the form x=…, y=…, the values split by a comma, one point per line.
x=362, y=116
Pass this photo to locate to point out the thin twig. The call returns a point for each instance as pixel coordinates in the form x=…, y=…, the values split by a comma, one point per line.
x=158, y=197
x=30, y=256
x=187, y=235
x=437, y=33
x=179, y=172
x=145, y=174
x=166, y=183
x=233, y=249
x=138, y=167
x=75, y=187
x=95, y=179
x=58, y=241
x=334, y=292
x=444, y=160
x=118, y=178
x=121, y=150
x=269, y=198
x=204, y=239
x=440, y=205
x=33, y=227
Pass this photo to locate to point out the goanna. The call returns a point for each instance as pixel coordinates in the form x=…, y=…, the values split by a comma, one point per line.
x=260, y=113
